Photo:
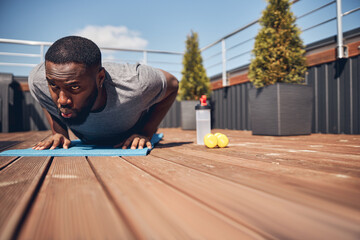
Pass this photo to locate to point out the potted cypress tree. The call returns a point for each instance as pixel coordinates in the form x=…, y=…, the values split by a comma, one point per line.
x=194, y=82
x=280, y=103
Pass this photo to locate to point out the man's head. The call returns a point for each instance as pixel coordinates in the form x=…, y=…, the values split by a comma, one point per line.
x=75, y=76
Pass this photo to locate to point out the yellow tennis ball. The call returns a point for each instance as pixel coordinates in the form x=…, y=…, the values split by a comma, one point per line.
x=210, y=140
x=222, y=140
x=217, y=134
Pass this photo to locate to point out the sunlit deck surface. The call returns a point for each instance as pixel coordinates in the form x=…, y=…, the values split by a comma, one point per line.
x=260, y=187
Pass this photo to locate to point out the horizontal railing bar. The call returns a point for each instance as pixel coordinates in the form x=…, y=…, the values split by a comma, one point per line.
x=236, y=31
x=329, y=20
x=141, y=50
x=19, y=54
x=229, y=35
x=162, y=62
x=24, y=42
x=214, y=65
x=239, y=55
x=236, y=45
x=18, y=64
x=173, y=71
x=120, y=60
x=212, y=56
x=351, y=11
x=138, y=60
x=314, y=10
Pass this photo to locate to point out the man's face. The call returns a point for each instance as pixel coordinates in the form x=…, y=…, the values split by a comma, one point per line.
x=73, y=89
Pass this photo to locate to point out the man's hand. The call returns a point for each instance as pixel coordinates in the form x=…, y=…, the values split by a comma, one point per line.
x=135, y=141
x=52, y=142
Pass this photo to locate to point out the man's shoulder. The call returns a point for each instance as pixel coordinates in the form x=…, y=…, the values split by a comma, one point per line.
x=38, y=72
x=120, y=68
x=37, y=77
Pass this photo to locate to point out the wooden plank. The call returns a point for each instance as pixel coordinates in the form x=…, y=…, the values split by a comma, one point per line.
x=26, y=141
x=269, y=178
x=339, y=143
x=158, y=211
x=278, y=217
x=333, y=158
x=10, y=139
x=310, y=152
x=346, y=144
x=239, y=79
x=321, y=57
x=71, y=204
x=18, y=184
x=353, y=48
x=216, y=84
x=308, y=176
x=7, y=144
x=312, y=157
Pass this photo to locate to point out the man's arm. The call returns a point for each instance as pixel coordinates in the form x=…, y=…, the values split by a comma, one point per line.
x=60, y=135
x=155, y=116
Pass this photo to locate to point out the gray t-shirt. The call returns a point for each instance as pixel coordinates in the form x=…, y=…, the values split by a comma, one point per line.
x=131, y=90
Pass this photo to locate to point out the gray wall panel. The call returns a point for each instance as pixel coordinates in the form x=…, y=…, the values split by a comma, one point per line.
x=356, y=93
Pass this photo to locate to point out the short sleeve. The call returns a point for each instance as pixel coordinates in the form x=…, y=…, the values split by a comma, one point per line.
x=39, y=89
x=153, y=84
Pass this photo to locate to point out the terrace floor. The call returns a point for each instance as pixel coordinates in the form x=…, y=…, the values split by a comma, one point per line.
x=260, y=187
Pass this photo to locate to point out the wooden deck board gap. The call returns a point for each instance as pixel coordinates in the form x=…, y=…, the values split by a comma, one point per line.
x=9, y=163
x=112, y=200
x=199, y=201
x=32, y=200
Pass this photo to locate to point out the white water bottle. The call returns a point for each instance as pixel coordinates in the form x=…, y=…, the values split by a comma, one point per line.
x=203, y=120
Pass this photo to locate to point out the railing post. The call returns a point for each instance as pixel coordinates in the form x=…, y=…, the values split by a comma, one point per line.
x=341, y=49
x=41, y=53
x=224, y=77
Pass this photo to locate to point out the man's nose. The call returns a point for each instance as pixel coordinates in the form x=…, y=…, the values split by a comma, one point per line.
x=64, y=99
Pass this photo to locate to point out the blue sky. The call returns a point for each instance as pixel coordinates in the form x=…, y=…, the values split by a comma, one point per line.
x=157, y=24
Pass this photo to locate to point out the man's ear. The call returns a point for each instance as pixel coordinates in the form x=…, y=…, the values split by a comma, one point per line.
x=100, y=77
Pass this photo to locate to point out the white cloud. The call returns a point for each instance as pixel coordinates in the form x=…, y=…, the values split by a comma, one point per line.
x=113, y=36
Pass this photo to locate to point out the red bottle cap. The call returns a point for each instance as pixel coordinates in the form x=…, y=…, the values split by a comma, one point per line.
x=203, y=100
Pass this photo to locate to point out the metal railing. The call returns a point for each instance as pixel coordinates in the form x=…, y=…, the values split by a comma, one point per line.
x=168, y=60
x=220, y=58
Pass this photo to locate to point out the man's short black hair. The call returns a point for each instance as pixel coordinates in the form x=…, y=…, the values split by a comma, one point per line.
x=74, y=49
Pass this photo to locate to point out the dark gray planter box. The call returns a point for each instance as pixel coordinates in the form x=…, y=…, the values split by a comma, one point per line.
x=281, y=109
x=188, y=116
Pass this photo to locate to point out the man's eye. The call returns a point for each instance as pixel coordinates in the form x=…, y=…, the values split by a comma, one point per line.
x=75, y=87
x=53, y=85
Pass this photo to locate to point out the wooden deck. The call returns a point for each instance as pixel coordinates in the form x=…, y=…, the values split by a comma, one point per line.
x=260, y=187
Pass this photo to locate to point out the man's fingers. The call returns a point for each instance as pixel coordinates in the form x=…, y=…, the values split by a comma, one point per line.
x=135, y=143
x=148, y=144
x=55, y=143
x=118, y=145
x=36, y=145
x=67, y=143
x=127, y=143
x=41, y=145
x=45, y=144
x=142, y=143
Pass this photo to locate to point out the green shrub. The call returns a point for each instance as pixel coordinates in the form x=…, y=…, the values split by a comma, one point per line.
x=279, y=51
x=194, y=82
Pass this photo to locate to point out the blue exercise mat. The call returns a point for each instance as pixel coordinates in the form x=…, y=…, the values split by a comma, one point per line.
x=77, y=148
